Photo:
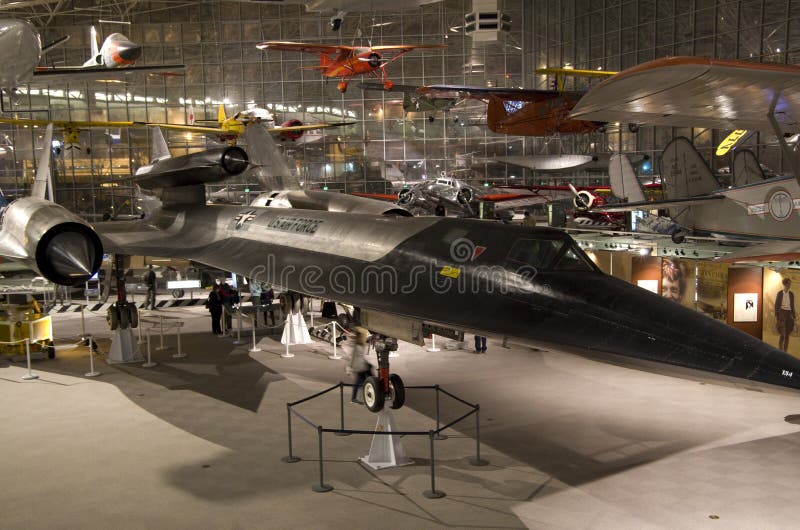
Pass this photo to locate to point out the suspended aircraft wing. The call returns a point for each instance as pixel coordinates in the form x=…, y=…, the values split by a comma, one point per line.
x=218, y=130
x=65, y=124
x=56, y=75
x=770, y=251
x=698, y=92
x=304, y=47
x=656, y=205
x=482, y=93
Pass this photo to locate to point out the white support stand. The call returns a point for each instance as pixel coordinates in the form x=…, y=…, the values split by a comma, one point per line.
x=149, y=363
x=255, y=348
x=30, y=375
x=124, y=348
x=386, y=450
x=83, y=323
x=294, y=332
x=180, y=354
x=433, y=347
x=91, y=372
x=161, y=347
x=335, y=356
x=239, y=340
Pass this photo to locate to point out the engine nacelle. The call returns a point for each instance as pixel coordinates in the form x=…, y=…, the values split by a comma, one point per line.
x=290, y=136
x=327, y=201
x=55, y=242
x=586, y=200
x=205, y=167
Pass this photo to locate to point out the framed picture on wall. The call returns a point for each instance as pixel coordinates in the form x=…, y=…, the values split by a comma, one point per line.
x=650, y=285
x=745, y=307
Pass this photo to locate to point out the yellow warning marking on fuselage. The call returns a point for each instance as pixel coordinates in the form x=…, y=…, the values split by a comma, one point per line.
x=450, y=272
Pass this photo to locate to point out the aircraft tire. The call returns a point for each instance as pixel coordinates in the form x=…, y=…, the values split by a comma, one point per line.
x=133, y=316
x=124, y=317
x=113, y=317
x=374, y=397
x=397, y=390
x=678, y=237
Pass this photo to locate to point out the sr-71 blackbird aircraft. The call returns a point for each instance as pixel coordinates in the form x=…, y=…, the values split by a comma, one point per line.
x=408, y=275
x=346, y=62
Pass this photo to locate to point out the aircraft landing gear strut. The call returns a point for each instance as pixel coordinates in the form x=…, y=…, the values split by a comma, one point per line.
x=385, y=386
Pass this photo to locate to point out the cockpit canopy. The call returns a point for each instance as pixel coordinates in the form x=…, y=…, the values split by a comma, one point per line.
x=550, y=254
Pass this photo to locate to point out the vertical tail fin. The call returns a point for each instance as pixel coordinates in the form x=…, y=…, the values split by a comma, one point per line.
x=270, y=167
x=43, y=181
x=160, y=150
x=624, y=183
x=221, y=114
x=746, y=169
x=93, y=42
x=684, y=172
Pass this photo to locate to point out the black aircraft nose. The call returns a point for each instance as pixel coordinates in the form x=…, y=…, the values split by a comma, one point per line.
x=627, y=320
x=129, y=52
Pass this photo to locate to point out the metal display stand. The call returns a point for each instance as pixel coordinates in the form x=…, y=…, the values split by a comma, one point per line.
x=432, y=434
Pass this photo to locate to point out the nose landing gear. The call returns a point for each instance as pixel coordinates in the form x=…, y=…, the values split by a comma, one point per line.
x=385, y=386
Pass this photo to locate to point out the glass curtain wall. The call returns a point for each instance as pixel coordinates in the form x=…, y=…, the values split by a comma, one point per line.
x=217, y=41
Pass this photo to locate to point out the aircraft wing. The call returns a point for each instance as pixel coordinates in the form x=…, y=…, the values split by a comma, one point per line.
x=311, y=126
x=57, y=75
x=63, y=124
x=217, y=130
x=771, y=251
x=476, y=92
x=698, y=92
x=656, y=205
x=303, y=47
x=406, y=47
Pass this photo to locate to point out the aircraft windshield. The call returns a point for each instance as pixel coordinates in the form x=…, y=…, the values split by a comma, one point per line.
x=549, y=254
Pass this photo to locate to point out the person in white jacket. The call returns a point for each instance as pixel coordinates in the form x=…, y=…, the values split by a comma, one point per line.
x=358, y=365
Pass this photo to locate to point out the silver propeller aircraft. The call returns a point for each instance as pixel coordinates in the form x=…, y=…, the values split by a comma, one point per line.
x=765, y=208
x=410, y=276
x=21, y=67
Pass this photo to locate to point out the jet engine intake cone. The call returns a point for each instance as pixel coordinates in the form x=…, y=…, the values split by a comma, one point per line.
x=234, y=160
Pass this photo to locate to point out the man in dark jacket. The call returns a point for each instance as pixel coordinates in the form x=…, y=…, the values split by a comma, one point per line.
x=229, y=297
x=214, y=305
x=150, y=282
x=784, y=313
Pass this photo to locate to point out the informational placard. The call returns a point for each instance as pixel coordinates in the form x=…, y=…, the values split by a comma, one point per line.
x=650, y=285
x=183, y=284
x=745, y=307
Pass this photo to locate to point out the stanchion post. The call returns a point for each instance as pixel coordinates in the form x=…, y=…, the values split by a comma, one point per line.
x=180, y=354
x=478, y=461
x=321, y=487
x=433, y=347
x=140, y=341
x=83, y=323
x=91, y=372
x=29, y=375
x=161, y=334
x=291, y=459
x=149, y=363
x=286, y=354
x=439, y=436
x=238, y=327
x=433, y=493
x=335, y=355
x=255, y=348
x=341, y=411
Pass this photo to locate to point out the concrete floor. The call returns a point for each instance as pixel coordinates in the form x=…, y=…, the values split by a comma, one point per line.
x=572, y=442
